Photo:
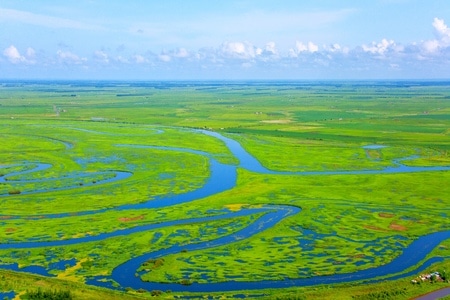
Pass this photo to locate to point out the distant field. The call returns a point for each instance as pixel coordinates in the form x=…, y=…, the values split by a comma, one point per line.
x=95, y=175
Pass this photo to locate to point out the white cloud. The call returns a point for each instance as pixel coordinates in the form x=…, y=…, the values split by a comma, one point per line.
x=101, y=56
x=300, y=47
x=14, y=56
x=121, y=59
x=139, y=59
x=441, y=28
x=237, y=55
x=181, y=53
x=271, y=48
x=381, y=47
x=177, y=54
x=443, y=38
x=312, y=47
x=431, y=46
x=234, y=48
x=336, y=48
x=30, y=52
x=70, y=58
x=240, y=50
x=164, y=57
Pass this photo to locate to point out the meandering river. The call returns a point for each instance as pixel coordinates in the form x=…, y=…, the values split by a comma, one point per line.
x=223, y=177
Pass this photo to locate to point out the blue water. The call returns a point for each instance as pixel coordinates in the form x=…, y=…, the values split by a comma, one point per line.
x=411, y=256
x=7, y=295
x=124, y=232
x=223, y=177
x=114, y=176
x=60, y=265
x=374, y=147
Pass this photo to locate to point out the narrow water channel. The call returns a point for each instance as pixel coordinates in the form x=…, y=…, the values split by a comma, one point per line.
x=224, y=177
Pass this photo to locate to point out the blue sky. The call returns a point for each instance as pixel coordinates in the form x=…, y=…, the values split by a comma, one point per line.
x=228, y=39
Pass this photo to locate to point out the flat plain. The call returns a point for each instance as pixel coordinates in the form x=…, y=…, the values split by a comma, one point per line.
x=96, y=175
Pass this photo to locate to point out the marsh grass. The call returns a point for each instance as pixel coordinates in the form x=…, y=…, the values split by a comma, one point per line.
x=347, y=223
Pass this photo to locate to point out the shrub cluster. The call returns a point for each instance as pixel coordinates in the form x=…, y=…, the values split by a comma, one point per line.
x=49, y=295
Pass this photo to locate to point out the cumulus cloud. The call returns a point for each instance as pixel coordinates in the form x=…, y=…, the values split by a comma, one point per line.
x=139, y=59
x=441, y=28
x=68, y=57
x=381, y=55
x=164, y=57
x=240, y=50
x=382, y=47
x=181, y=53
x=30, y=53
x=271, y=48
x=442, y=41
x=101, y=56
x=336, y=48
x=121, y=59
x=310, y=47
x=431, y=46
x=268, y=53
x=14, y=56
x=300, y=47
x=178, y=54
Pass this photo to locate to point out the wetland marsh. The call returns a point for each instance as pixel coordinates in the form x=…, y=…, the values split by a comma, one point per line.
x=287, y=189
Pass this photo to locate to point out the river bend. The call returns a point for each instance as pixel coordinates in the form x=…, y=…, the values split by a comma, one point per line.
x=223, y=177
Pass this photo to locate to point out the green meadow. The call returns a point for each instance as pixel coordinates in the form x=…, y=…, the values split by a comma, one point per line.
x=85, y=134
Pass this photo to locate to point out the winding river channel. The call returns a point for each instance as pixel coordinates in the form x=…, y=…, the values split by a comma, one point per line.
x=223, y=177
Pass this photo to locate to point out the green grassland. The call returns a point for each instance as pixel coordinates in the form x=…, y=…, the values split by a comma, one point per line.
x=87, y=131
